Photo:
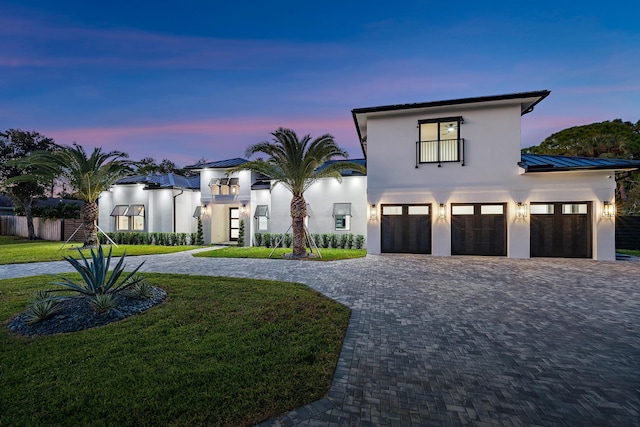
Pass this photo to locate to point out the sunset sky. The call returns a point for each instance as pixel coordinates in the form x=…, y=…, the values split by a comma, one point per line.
x=189, y=80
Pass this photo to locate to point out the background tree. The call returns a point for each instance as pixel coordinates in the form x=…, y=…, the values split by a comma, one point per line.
x=612, y=139
x=149, y=166
x=294, y=163
x=88, y=176
x=16, y=144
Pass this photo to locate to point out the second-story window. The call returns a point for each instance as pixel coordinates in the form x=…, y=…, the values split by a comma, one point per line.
x=439, y=140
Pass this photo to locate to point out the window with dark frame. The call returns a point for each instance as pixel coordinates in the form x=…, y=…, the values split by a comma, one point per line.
x=439, y=141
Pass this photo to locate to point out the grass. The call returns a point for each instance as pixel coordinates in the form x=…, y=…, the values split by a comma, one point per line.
x=629, y=252
x=262, y=252
x=16, y=250
x=218, y=351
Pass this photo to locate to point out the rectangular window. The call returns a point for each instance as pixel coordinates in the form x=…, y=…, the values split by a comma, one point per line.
x=418, y=210
x=541, y=209
x=462, y=210
x=262, y=217
x=342, y=216
x=574, y=208
x=129, y=217
x=392, y=210
x=491, y=210
x=439, y=140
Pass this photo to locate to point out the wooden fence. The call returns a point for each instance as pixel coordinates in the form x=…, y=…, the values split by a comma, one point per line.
x=628, y=232
x=45, y=229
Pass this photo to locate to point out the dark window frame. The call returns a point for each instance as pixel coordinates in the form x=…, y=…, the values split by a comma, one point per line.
x=459, y=147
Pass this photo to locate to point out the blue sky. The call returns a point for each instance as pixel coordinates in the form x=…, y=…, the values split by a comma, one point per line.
x=189, y=80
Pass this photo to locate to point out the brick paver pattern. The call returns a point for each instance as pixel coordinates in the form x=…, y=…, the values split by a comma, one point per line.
x=462, y=340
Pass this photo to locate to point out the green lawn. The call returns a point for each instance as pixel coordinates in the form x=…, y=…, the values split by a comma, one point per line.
x=629, y=252
x=262, y=252
x=218, y=351
x=16, y=250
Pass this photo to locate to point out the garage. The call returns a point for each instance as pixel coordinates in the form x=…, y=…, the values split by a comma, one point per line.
x=561, y=230
x=478, y=229
x=406, y=229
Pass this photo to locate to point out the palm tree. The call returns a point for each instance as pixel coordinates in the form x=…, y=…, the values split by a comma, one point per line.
x=88, y=176
x=294, y=163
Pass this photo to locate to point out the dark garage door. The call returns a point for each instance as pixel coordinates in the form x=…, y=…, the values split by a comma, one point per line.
x=478, y=229
x=406, y=229
x=561, y=230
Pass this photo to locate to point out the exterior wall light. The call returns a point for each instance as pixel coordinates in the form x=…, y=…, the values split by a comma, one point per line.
x=204, y=208
x=608, y=209
x=522, y=210
x=243, y=210
x=442, y=211
x=373, y=213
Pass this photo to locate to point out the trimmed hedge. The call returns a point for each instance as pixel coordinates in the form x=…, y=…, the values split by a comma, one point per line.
x=139, y=238
x=326, y=240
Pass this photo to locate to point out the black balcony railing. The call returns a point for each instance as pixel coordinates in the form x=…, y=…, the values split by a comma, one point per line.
x=440, y=151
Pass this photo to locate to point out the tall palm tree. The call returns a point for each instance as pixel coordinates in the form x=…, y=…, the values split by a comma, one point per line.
x=294, y=163
x=88, y=176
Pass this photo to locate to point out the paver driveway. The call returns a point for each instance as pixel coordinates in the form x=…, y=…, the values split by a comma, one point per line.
x=465, y=340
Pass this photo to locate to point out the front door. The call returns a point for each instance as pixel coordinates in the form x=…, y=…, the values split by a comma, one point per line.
x=234, y=223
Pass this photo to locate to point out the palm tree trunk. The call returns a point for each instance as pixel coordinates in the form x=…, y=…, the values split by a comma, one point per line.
x=89, y=216
x=298, y=214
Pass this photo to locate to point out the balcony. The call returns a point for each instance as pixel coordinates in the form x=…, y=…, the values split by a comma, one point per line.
x=440, y=151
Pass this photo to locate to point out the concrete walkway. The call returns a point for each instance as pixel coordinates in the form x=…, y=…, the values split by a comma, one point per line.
x=462, y=340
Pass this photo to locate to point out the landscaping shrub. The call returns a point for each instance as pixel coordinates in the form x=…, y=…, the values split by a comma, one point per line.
x=322, y=241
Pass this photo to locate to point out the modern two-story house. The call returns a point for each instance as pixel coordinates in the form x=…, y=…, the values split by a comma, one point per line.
x=448, y=178
x=443, y=178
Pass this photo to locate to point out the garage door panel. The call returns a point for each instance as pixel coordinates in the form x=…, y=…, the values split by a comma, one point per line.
x=480, y=233
x=408, y=230
x=462, y=232
x=561, y=233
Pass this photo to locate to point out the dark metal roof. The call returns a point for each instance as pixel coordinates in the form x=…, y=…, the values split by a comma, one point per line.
x=168, y=180
x=527, y=108
x=548, y=163
x=221, y=164
x=346, y=172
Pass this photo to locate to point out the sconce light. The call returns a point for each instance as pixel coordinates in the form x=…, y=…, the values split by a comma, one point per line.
x=522, y=210
x=373, y=213
x=608, y=209
x=442, y=211
x=243, y=210
x=204, y=208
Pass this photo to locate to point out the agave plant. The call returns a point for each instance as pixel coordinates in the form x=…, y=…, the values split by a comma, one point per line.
x=42, y=309
x=96, y=279
x=103, y=303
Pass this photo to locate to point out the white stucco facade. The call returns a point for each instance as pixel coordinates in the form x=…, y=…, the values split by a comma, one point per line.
x=165, y=209
x=482, y=197
x=488, y=173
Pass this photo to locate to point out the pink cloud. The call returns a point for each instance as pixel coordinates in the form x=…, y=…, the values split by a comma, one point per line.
x=216, y=139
